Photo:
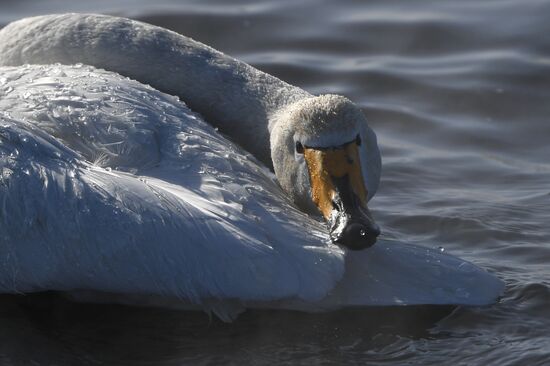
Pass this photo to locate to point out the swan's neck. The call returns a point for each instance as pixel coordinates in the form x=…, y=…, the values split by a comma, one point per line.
x=230, y=94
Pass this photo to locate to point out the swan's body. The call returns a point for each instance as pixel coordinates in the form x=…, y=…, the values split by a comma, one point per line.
x=112, y=186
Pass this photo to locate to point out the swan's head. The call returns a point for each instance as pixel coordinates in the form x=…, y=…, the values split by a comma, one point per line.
x=326, y=157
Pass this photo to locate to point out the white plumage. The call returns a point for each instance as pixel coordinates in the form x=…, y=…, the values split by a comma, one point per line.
x=108, y=185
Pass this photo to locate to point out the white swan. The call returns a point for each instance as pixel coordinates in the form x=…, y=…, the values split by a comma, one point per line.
x=111, y=186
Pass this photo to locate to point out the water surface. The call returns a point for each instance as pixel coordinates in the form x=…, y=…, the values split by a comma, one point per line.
x=458, y=93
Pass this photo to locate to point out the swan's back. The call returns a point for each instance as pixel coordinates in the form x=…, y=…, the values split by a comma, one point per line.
x=107, y=184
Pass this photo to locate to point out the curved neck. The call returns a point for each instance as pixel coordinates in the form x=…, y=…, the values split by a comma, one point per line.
x=230, y=94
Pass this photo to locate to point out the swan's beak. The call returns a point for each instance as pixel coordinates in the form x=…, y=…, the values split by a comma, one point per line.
x=338, y=190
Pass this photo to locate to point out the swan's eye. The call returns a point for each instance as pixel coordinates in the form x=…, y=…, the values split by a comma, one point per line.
x=299, y=147
x=358, y=140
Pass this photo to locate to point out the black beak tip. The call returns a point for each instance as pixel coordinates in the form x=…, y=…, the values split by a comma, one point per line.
x=357, y=236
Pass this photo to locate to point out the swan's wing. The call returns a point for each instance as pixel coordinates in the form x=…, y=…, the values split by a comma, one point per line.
x=110, y=185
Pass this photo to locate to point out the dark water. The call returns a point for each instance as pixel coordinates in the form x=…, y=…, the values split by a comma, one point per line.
x=459, y=95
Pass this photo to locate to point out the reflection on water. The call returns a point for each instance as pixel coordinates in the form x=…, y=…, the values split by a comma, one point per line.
x=458, y=95
x=55, y=329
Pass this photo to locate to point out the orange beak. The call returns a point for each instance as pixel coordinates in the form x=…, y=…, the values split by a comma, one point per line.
x=338, y=190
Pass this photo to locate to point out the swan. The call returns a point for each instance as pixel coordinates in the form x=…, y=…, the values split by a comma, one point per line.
x=111, y=181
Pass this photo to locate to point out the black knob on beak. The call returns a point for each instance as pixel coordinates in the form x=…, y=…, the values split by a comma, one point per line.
x=351, y=224
x=357, y=236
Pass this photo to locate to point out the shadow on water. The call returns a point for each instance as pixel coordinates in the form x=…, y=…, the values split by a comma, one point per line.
x=96, y=334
